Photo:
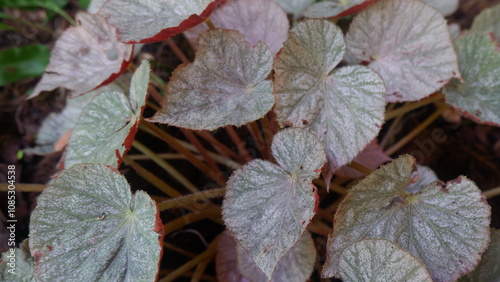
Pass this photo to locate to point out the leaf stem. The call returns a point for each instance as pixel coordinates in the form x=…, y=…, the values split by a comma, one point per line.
x=178, y=250
x=222, y=149
x=212, y=213
x=190, y=199
x=200, y=269
x=166, y=166
x=389, y=135
x=259, y=140
x=410, y=136
x=492, y=192
x=411, y=106
x=239, y=144
x=177, y=51
x=210, y=24
x=360, y=167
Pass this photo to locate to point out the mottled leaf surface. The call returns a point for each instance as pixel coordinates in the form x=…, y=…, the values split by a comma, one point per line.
x=225, y=85
x=85, y=57
x=267, y=206
x=344, y=107
x=107, y=125
x=334, y=8
x=446, y=226
x=408, y=44
x=445, y=7
x=234, y=264
x=145, y=21
x=380, y=260
x=88, y=226
x=257, y=20
x=23, y=265
x=488, y=21
x=488, y=269
x=478, y=94
x=295, y=7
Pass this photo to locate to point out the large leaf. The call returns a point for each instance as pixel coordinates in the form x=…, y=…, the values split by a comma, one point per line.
x=225, y=85
x=445, y=7
x=446, y=226
x=85, y=57
x=145, y=21
x=380, y=260
x=488, y=269
x=344, y=108
x=107, y=126
x=487, y=21
x=22, y=62
x=234, y=264
x=88, y=226
x=336, y=8
x=17, y=266
x=267, y=207
x=414, y=60
x=257, y=20
x=478, y=94
x=295, y=7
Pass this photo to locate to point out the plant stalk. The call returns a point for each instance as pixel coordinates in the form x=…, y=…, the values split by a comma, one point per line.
x=190, y=199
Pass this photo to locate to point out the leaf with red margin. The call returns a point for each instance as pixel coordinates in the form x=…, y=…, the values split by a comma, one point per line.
x=146, y=21
x=267, y=206
x=88, y=226
x=336, y=9
x=108, y=125
x=73, y=59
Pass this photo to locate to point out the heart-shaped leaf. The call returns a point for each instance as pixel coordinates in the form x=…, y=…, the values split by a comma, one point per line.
x=88, y=226
x=380, y=260
x=17, y=266
x=73, y=59
x=445, y=7
x=335, y=8
x=295, y=7
x=477, y=95
x=234, y=264
x=487, y=21
x=145, y=21
x=344, y=108
x=225, y=85
x=108, y=124
x=414, y=60
x=446, y=226
x=257, y=20
x=267, y=207
x=489, y=267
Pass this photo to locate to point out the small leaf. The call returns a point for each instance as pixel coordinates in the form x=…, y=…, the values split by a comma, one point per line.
x=107, y=126
x=344, y=108
x=17, y=266
x=477, y=95
x=234, y=264
x=335, y=8
x=487, y=21
x=446, y=226
x=73, y=59
x=380, y=260
x=414, y=60
x=295, y=7
x=88, y=226
x=267, y=207
x=257, y=20
x=146, y=21
x=445, y=7
x=225, y=85
x=22, y=62
x=488, y=269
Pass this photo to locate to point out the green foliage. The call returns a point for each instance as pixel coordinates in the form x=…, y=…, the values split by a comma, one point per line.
x=18, y=63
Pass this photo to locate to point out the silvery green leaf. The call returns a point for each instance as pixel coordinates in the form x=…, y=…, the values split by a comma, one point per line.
x=267, y=206
x=88, y=226
x=414, y=60
x=478, y=95
x=17, y=266
x=446, y=226
x=225, y=85
x=488, y=269
x=380, y=260
x=107, y=126
x=343, y=107
x=487, y=21
x=74, y=56
x=145, y=21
